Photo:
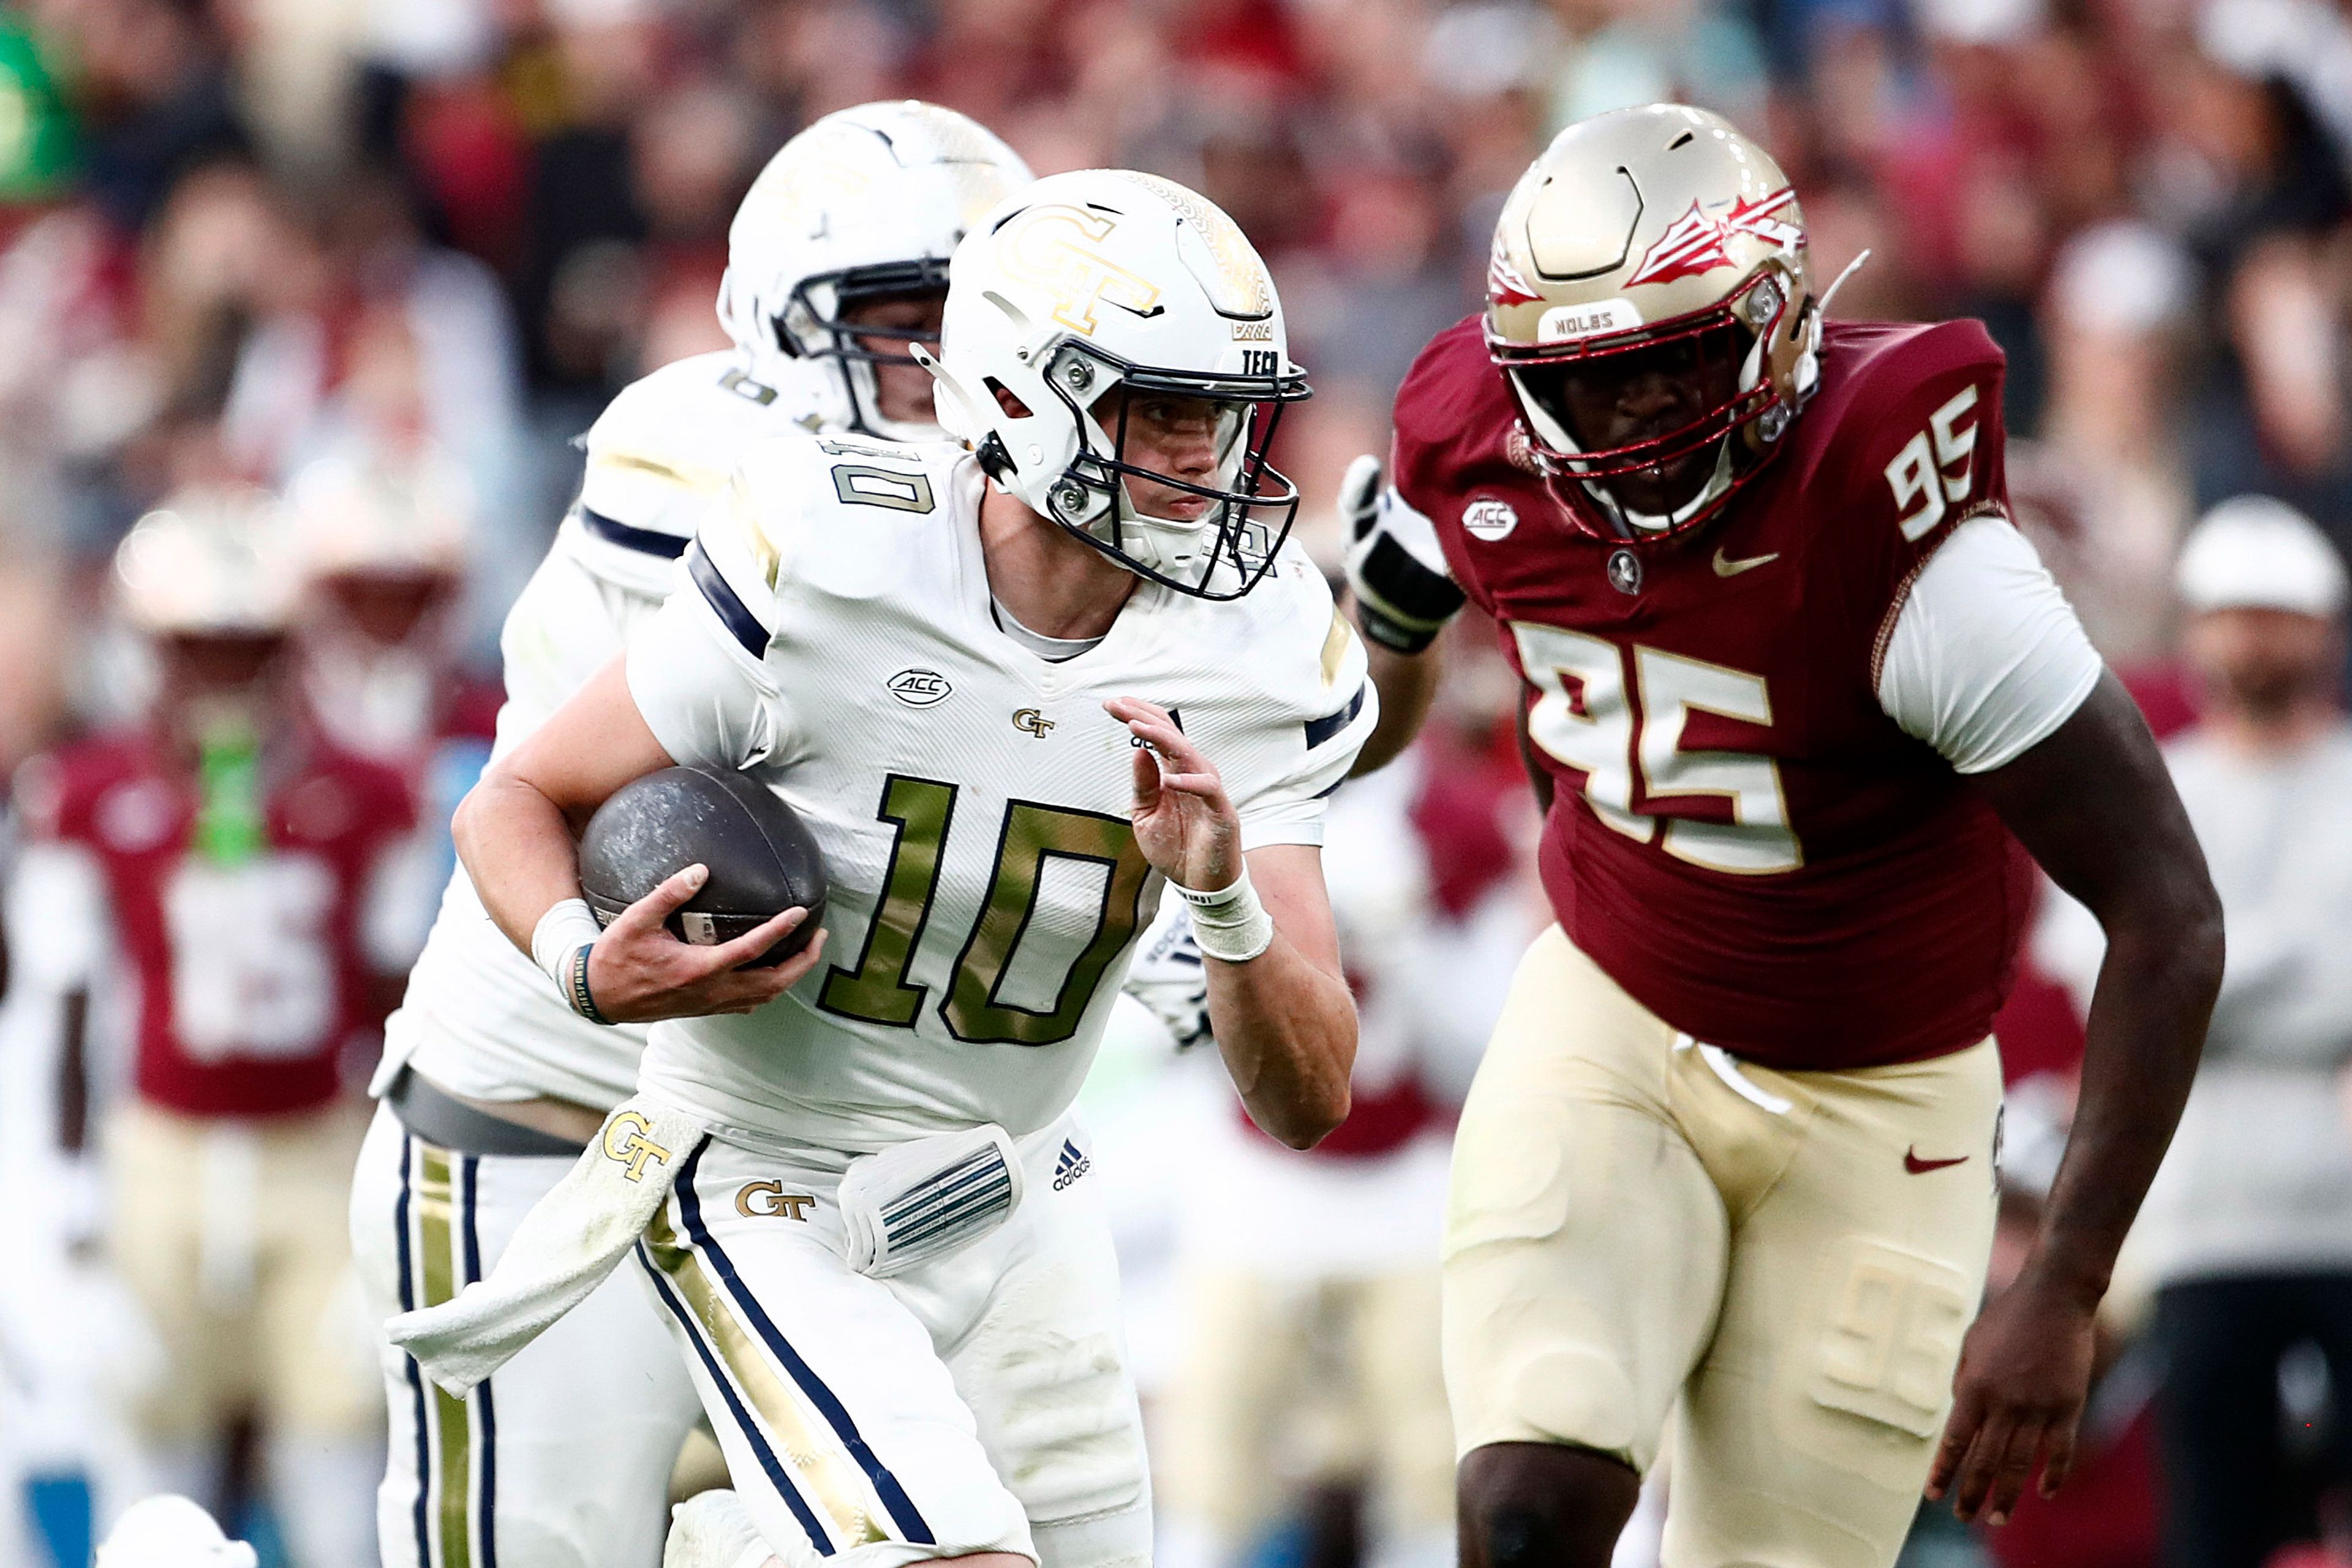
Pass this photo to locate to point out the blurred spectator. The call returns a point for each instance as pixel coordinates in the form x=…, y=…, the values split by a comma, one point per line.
x=2105, y=490
x=204, y=886
x=2247, y=1232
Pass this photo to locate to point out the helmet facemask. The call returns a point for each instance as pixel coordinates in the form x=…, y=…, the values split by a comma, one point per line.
x=1732, y=360
x=1242, y=508
x=816, y=324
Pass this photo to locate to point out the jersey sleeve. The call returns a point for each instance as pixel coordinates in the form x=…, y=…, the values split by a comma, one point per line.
x=564, y=627
x=1312, y=744
x=698, y=670
x=644, y=473
x=1986, y=659
x=1443, y=418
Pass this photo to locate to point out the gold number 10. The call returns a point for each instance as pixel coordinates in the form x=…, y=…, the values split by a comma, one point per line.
x=877, y=989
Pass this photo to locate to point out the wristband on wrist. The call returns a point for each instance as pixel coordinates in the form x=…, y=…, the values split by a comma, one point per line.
x=559, y=945
x=1230, y=925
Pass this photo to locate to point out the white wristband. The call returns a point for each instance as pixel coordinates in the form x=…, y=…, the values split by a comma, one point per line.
x=1230, y=925
x=556, y=943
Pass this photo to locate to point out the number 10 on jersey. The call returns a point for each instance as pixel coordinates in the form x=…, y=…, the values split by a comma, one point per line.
x=1583, y=716
x=877, y=988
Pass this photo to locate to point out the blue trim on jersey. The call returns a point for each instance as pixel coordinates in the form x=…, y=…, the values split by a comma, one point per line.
x=894, y=1496
x=644, y=540
x=740, y=623
x=1321, y=730
x=768, y=1463
x=416, y=1379
x=485, y=1494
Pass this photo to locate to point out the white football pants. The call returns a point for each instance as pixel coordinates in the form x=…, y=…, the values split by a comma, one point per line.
x=562, y=1459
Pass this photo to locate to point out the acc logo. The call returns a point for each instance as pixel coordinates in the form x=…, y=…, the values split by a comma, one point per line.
x=1489, y=519
x=919, y=688
x=768, y=1200
x=1055, y=248
x=626, y=1144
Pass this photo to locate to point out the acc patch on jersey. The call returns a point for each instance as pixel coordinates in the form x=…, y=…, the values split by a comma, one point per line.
x=1489, y=519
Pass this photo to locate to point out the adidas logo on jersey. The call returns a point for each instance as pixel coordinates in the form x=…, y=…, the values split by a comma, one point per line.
x=1070, y=1166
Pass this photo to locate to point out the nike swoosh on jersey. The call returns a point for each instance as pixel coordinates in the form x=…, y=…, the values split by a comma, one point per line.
x=1916, y=1166
x=1725, y=566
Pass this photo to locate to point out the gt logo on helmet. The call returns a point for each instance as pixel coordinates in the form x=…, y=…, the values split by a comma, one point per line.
x=1055, y=248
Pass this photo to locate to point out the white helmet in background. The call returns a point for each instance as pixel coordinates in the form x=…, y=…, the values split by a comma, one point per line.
x=169, y=1531
x=372, y=514
x=212, y=561
x=867, y=203
x=1105, y=278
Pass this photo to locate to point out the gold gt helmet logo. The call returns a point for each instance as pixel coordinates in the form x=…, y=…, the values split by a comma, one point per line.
x=1056, y=247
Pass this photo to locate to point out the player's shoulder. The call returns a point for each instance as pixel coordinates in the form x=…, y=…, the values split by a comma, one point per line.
x=688, y=420
x=60, y=793
x=1452, y=400
x=849, y=489
x=340, y=796
x=1289, y=653
x=841, y=516
x=1863, y=361
x=1884, y=380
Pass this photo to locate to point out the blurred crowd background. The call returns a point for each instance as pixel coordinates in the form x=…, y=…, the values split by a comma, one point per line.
x=240, y=239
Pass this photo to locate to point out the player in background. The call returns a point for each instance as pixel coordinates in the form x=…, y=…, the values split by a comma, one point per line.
x=169, y=1531
x=490, y=1084
x=215, y=875
x=1010, y=682
x=383, y=537
x=1791, y=678
x=1308, y=1382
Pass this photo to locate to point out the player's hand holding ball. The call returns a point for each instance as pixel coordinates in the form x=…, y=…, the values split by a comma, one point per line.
x=639, y=973
x=708, y=888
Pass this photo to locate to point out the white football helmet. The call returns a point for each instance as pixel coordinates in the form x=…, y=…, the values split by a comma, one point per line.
x=210, y=562
x=372, y=514
x=1103, y=279
x=866, y=204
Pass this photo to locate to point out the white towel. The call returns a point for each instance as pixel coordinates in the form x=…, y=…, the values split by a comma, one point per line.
x=563, y=1248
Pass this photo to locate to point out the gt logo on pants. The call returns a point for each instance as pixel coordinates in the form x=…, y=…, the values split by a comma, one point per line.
x=626, y=1144
x=766, y=1200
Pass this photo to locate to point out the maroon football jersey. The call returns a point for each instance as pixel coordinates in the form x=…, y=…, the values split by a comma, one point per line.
x=1739, y=835
x=251, y=970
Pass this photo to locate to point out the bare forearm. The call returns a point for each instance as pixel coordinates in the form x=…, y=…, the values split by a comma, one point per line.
x=517, y=849
x=2147, y=1027
x=1288, y=1032
x=1406, y=683
x=2096, y=807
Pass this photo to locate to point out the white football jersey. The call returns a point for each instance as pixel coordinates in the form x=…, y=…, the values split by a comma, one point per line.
x=479, y=1018
x=839, y=643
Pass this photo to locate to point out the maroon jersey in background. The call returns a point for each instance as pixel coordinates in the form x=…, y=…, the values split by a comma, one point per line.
x=251, y=975
x=1740, y=837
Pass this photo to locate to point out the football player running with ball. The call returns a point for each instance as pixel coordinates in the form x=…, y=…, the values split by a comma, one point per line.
x=1792, y=679
x=1011, y=683
x=490, y=1085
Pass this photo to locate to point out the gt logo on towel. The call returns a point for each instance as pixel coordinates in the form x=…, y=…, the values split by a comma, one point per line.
x=626, y=1144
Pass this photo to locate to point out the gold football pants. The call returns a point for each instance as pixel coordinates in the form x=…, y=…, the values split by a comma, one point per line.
x=1641, y=1225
